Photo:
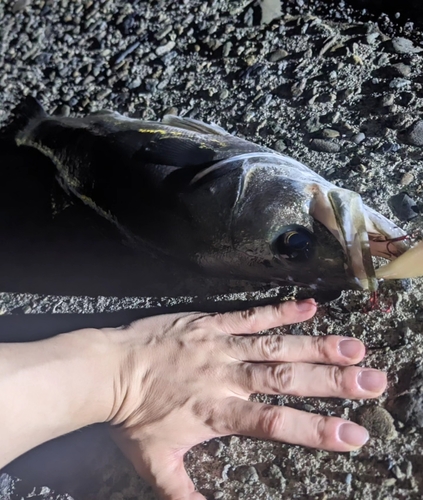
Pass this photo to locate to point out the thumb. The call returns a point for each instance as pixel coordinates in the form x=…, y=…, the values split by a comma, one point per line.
x=265, y=317
x=162, y=468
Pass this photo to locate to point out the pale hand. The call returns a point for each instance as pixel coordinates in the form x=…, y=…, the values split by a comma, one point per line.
x=187, y=378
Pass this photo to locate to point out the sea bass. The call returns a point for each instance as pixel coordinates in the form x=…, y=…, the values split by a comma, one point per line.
x=199, y=195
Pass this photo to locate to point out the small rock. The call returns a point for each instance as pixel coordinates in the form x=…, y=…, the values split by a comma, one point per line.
x=7, y=485
x=270, y=10
x=218, y=495
x=407, y=179
x=402, y=69
x=358, y=138
x=388, y=100
x=324, y=146
x=164, y=49
x=388, y=147
x=389, y=482
x=279, y=146
x=399, y=83
x=403, y=45
x=227, y=49
x=64, y=110
x=277, y=55
x=403, y=207
x=371, y=37
x=397, y=472
x=20, y=5
x=246, y=474
x=330, y=133
x=378, y=422
x=414, y=134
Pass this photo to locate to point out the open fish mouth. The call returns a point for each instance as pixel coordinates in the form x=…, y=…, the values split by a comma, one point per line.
x=363, y=234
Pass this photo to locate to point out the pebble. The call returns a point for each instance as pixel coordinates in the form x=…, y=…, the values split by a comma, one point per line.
x=103, y=94
x=402, y=69
x=330, y=133
x=279, y=146
x=407, y=179
x=399, y=83
x=324, y=146
x=270, y=10
x=278, y=55
x=124, y=54
x=64, y=110
x=403, y=45
x=6, y=486
x=403, y=207
x=20, y=5
x=227, y=49
x=164, y=49
x=378, y=422
x=388, y=147
x=358, y=138
x=246, y=474
x=414, y=134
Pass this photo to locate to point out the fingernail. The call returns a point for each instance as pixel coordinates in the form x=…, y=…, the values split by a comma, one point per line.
x=306, y=305
x=353, y=434
x=371, y=380
x=350, y=348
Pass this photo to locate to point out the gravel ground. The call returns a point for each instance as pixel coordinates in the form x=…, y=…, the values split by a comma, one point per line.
x=337, y=88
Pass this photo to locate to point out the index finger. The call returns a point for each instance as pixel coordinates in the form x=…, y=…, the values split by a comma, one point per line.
x=257, y=319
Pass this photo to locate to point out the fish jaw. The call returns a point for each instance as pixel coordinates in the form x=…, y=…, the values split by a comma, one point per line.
x=362, y=232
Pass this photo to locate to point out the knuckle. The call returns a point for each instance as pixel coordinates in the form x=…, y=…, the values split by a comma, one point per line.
x=270, y=347
x=321, y=348
x=280, y=378
x=336, y=379
x=320, y=432
x=271, y=421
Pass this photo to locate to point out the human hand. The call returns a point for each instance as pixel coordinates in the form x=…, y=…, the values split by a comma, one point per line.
x=187, y=378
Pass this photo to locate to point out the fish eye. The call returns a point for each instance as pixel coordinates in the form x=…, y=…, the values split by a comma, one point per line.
x=295, y=243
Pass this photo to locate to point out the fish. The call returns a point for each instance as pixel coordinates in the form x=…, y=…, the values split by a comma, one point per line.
x=200, y=196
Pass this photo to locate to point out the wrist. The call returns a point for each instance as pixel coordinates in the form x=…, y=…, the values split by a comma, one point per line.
x=97, y=356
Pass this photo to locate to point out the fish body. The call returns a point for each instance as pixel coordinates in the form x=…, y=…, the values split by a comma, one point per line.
x=200, y=195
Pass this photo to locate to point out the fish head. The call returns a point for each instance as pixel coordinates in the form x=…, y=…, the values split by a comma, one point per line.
x=291, y=226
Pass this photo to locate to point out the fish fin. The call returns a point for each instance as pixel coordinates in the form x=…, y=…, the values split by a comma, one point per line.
x=60, y=200
x=194, y=125
x=27, y=110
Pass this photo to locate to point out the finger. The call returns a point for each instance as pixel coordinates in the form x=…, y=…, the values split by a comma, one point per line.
x=308, y=380
x=161, y=467
x=331, y=349
x=262, y=318
x=292, y=426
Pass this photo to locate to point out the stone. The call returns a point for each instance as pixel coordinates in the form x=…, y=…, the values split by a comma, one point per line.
x=414, y=134
x=278, y=55
x=403, y=45
x=270, y=10
x=378, y=422
x=324, y=146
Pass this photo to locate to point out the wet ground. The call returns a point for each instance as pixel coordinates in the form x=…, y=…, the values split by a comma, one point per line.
x=337, y=88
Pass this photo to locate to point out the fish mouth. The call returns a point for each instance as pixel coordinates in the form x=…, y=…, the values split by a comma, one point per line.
x=362, y=232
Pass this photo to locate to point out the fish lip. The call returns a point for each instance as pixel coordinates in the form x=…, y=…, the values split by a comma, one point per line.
x=362, y=232
x=343, y=213
x=350, y=217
